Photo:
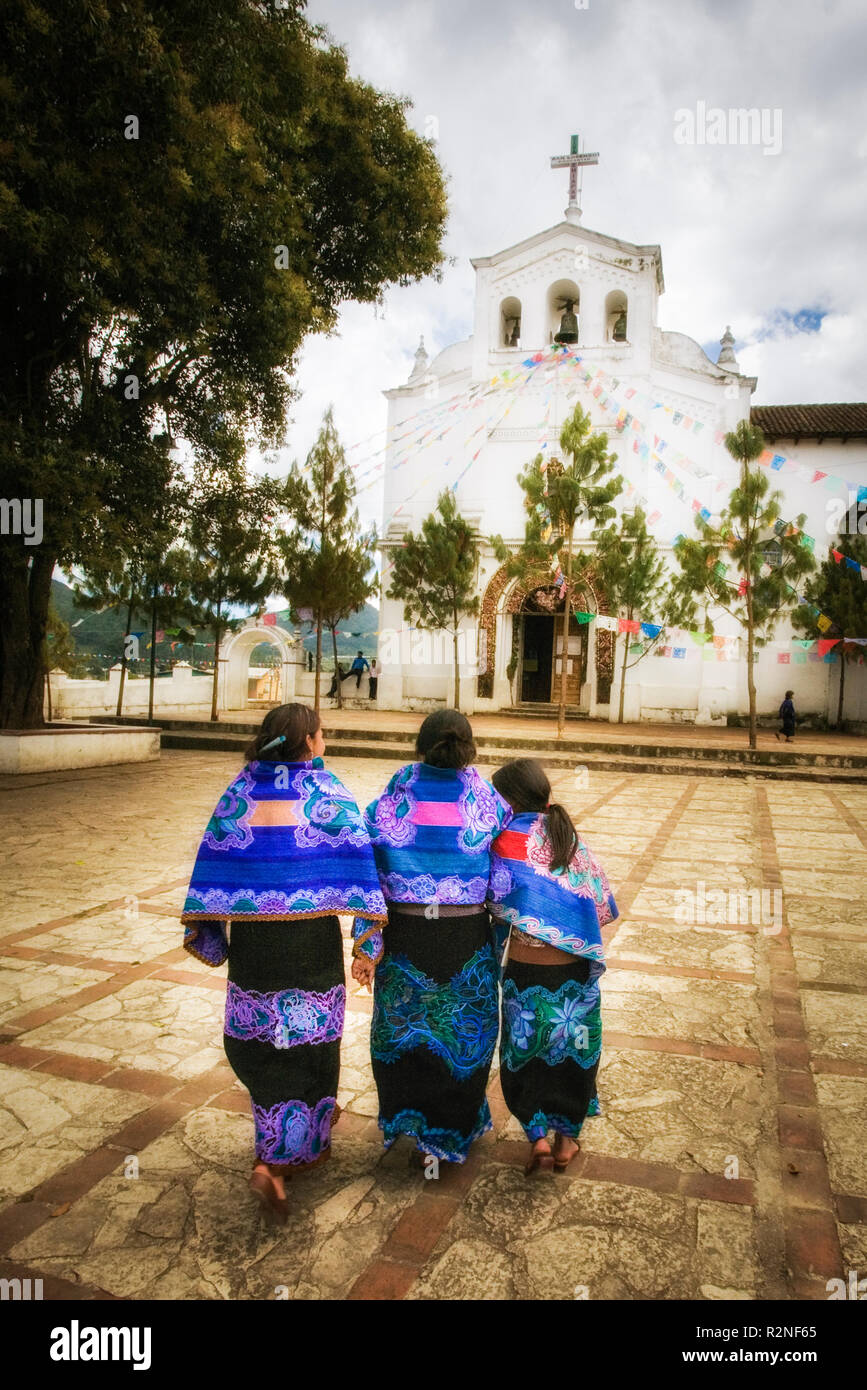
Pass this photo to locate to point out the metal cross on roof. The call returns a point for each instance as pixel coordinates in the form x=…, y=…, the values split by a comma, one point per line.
x=573, y=160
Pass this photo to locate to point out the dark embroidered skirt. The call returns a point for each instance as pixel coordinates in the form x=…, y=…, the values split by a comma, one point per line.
x=434, y=1029
x=550, y=1046
x=285, y=1006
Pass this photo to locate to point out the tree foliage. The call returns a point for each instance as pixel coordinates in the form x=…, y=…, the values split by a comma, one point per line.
x=558, y=497
x=840, y=594
x=435, y=575
x=185, y=194
x=327, y=561
x=632, y=573
x=750, y=561
x=232, y=548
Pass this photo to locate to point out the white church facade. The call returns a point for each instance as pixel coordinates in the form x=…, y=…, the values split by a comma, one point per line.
x=475, y=415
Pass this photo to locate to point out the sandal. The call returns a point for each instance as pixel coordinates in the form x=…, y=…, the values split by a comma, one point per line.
x=263, y=1187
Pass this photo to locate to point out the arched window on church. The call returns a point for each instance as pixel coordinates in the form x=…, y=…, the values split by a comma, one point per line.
x=510, y=323
x=616, y=317
x=564, y=298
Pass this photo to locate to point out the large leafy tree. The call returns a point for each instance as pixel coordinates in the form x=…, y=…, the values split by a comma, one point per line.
x=749, y=562
x=326, y=560
x=558, y=498
x=435, y=574
x=839, y=594
x=231, y=537
x=185, y=193
x=632, y=573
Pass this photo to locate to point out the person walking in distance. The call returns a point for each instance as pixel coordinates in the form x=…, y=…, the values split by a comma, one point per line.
x=787, y=715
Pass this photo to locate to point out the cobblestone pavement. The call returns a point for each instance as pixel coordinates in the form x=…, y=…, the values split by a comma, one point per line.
x=728, y=1162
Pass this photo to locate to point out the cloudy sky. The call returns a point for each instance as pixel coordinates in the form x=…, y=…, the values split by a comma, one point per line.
x=771, y=243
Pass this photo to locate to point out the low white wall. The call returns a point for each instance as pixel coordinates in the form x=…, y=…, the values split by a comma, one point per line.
x=56, y=749
x=78, y=699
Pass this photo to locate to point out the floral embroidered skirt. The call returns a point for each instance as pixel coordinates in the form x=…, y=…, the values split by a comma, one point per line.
x=285, y=1005
x=434, y=1029
x=550, y=1046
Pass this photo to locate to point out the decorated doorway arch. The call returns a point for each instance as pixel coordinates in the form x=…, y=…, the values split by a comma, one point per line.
x=235, y=653
x=505, y=595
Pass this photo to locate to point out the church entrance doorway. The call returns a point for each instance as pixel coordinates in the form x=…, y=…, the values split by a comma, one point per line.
x=541, y=649
x=538, y=657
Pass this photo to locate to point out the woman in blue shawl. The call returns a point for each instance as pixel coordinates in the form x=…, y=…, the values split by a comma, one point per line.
x=435, y=1005
x=554, y=898
x=285, y=850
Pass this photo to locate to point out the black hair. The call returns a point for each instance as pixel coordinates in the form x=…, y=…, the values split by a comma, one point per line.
x=293, y=724
x=524, y=784
x=789, y=694
x=445, y=739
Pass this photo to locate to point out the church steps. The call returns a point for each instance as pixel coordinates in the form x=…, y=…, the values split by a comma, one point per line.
x=570, y=750
x=600, y=759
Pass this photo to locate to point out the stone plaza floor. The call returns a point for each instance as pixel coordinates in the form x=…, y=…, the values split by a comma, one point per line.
x=728, y=1163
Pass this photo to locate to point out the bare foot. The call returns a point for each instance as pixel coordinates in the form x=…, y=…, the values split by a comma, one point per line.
x=540, y=1157
x=565, y=1150
x=276, y=1178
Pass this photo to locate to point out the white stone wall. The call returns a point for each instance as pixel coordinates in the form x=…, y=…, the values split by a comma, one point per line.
x=79, y=699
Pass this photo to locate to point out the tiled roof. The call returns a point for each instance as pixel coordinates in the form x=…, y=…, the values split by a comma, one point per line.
x=840, y=420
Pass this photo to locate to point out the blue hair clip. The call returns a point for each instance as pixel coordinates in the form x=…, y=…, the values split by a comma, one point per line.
x=275, y=742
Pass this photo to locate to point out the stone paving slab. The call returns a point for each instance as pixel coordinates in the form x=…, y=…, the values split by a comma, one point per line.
x=152, y=1024
x=706, y=1011
x=700, y=947
x=843, y=917
x=23, y=987
x=843, y=1106
x=728, y=1161
x=48, y=1121
x=559, y=1241
x=831, y=962
x=126, y=934
x=188, y=1227
x=837, y=1025
x=686, y=1112
x=817, y=883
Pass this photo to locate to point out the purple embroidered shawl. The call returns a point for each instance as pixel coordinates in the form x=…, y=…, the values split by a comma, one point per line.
x=286, y=840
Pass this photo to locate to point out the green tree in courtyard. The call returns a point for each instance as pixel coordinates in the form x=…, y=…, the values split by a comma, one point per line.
x=839, y=592
x=750, y=562
x=326, y=562
x=632, y=575
x=557, y=499
x=231, y=536
x=435, y=575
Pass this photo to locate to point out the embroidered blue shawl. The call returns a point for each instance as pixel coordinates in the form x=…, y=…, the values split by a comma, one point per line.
x=565, y=908
x=431, y=832
x=286, y=840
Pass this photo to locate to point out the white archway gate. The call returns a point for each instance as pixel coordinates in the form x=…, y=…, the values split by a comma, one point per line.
x=235, y=662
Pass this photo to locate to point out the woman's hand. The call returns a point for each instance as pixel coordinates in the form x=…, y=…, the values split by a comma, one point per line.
x=363, y=970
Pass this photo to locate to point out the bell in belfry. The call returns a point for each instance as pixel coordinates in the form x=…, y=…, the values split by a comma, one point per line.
x=619, y=331
x=568, y=325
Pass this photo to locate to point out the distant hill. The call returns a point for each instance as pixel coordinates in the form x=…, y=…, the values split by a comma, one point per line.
x=99, y=636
